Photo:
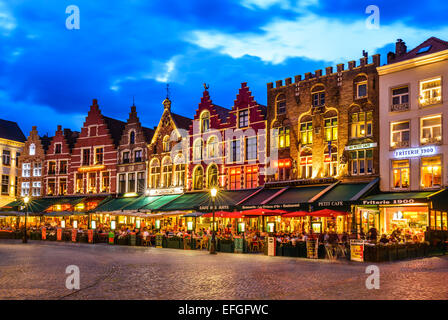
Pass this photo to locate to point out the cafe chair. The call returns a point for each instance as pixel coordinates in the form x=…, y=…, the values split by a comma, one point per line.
x=146, y=241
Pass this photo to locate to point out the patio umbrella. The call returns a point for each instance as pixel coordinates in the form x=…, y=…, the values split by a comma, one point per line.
x=295, y=214
x=263, y=212
x=327, y=213
x=224, y=214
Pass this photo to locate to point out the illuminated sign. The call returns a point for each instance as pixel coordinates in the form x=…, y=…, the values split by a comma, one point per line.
x=130, y=194
x=75, y=224
x=190, y=225
x=271, y=227
x=63, y=224
x=157, y=224
x=137, y=224
x=158, y=192
x=91, y=168
x=241, y=227
x=113, y=225
x=415, y=152
x=361, y=146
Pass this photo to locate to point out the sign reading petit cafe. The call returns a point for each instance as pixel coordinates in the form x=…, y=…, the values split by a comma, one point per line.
x=415, y=152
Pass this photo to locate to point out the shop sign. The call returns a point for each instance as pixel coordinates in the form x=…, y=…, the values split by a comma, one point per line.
x=164, y=191
x=225, y=207
x=415, y=152
x=361, y=146
x=330, y=204
x=357, y=250
x=386, y=202
x=312, y=246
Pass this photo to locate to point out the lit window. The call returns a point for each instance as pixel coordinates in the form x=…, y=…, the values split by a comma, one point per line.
x=281, y=104
x=105, y=182
x=154, y=174
x=26, y=169
x=197, y=151
x=251, y=148
x=212, y=147
x=131, y=182
x=283, y=169
x=331, y=161
x=400, y=99
x=179, y=170
x=62, y=167
x=243, y=117
x=25, y=189
x=5, y=184
x=361, y=162
x=51, y=167
x=430, y=91
x=167, y=172
x=122, y=183
x=400, y=134
x=281, y=137
x=51, y=186
x=36, y=188
x=79, y=183
x=62, y=190
x=431, y=172
x=37, y=170
x=361, y=124
x=431, y=130
x=166, y=143
x=234, y=178
x=251, y=177
x=198, y=178
x=331, y=129
x=91, y=180
x=32, y=149
x=205, y=121
x=400, y=174
x=212, y=176
x=306, y=164
x=140, y=182
x=306, y=132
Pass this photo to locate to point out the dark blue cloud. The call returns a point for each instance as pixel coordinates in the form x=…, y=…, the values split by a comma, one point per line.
x=123, y=48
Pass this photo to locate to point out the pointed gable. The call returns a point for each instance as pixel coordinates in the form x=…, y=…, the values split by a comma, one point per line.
x=244, y=99
x=34, y=139
x=59, y=137
x=429, y=46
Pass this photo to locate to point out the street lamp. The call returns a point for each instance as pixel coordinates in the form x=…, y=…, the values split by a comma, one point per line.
x=213, y=193
x=25, y=200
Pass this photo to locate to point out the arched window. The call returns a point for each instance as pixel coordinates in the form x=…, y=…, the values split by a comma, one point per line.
x=360, y=87
x=198, y=178
x=32, y=149
x=331, y=126
x=280, y=103
x=154, y=173
x=166, y=143
x=306, y=130
x=132, y=137
x=197, y=149
x=179, y=170
x=212, y=147
x=306, y=163
x=331, y=161
x=318, y=96
x=167, y=172
x=212, y=176
x=205, y=121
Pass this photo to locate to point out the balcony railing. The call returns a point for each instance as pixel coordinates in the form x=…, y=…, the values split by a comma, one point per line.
x=429, y=101
x=431, y=140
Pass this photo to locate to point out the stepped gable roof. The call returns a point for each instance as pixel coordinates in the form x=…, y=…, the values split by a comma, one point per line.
x=116, y=128
x=10, y=130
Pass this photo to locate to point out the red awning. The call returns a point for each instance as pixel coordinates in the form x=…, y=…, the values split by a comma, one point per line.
x=223, y=214
x=263, y=212
x=327, y=213
x=295, y=214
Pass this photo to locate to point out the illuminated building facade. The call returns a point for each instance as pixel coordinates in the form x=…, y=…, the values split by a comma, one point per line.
x=11, y=145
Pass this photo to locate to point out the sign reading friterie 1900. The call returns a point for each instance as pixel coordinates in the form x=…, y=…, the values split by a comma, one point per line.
x=415, y=152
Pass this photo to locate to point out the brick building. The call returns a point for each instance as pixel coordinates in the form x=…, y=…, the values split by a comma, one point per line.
x=168, y=152
x=132, y=155
x=93, y=168
x=57, y=162
x=11, y=145
x=325, y=126
x=31, y=164
x=207, y=153
x=246, y=142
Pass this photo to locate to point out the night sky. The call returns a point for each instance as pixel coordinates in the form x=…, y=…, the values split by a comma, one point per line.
x=49, y=74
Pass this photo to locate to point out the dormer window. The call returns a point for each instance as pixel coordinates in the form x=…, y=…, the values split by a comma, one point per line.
x=32, y=149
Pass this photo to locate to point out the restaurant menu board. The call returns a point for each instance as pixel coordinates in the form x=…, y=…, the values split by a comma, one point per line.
x=271, y=246
x=159, y=240
x=59, y=234
x=74, y=232
x=312, y=246
x=44, y=233
x=357, y=250
x=90, y=235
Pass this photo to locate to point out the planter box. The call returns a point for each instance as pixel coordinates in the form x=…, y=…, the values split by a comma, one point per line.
x=123, y=241
x=301, y=247
x=279, y=249
x=392, y=250
x=402, y=252
x=174, y=243
x=226, y=246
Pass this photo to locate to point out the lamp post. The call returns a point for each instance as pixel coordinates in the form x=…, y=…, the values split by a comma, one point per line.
x=213, y=193
x=25, y=200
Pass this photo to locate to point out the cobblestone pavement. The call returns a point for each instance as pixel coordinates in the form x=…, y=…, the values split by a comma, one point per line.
x=37, y=271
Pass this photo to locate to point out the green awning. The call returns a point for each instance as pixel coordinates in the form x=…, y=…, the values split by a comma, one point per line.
x=140, y=202
x=40, y=205
x=69, y=200
x=187, y=201
x=397, y=198
x=259, y=197
x=226, y=199
x=115, y=204
x=295, y=197
x=343, y=195
x=159, y=203
x=13, y=204
x=440, y=200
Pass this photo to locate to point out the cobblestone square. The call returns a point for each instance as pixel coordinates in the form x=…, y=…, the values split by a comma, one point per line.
x=37, y=271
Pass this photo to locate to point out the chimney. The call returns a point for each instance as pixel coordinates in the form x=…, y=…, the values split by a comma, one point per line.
x=376, y=60
x=400, y=48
